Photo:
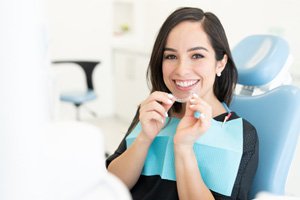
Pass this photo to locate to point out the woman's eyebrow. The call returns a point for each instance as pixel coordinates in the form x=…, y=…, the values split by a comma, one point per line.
x=191, y=49
x=197, y=48
x=170, y=49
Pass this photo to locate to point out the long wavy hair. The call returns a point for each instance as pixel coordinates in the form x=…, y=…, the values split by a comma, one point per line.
x=223, y=86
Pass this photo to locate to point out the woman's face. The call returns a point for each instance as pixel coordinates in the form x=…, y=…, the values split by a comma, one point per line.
x=189, y=63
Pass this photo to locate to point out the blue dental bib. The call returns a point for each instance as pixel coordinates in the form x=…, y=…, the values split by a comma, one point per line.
x=218, y=153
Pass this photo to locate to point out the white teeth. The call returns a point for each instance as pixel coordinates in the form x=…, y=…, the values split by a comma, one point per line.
x=185, y=83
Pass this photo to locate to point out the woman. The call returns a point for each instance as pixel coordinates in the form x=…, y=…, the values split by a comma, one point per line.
x=184, y=143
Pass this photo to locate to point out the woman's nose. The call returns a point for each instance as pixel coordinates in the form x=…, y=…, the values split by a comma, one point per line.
x=183, y=67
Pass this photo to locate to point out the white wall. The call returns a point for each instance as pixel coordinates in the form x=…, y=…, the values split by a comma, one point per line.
x=82, y=30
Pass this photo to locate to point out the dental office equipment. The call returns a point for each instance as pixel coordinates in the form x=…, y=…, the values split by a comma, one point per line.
x=274, y=113
x=254, y=55
x=77, y=97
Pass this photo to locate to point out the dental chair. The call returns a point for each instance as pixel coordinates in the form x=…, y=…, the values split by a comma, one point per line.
x=275, y=112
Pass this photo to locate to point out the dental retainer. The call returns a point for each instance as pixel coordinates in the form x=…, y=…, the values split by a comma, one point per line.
x=197, y=114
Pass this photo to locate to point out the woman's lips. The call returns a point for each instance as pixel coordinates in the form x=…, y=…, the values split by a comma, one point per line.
x=185, y=84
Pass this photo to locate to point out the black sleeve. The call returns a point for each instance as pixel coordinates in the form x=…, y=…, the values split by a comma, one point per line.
x=118, y=152
x=248, y=163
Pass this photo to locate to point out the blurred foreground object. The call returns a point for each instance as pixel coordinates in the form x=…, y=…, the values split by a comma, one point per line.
x=74, y=159
x=268, y=196
x=41, y=160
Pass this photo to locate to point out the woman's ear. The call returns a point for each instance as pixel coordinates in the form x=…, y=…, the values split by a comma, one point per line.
x=221, y=65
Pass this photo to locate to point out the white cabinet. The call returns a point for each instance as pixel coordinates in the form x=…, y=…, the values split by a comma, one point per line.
x=130, y=81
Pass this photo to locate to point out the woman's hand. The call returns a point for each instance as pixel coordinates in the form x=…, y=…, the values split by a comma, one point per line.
x=153, y=112
x=190, y=128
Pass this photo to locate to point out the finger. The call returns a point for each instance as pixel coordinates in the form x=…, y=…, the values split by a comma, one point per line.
x=197, y=111
x=164, y=98
x=154, y=106
x=192, y=105
x=151, y=115
x=196, y=99
x=200, y=108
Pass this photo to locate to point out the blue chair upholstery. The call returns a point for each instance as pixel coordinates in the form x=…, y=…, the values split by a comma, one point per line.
x=255, y=54
x=79, y=98
x=276, y=116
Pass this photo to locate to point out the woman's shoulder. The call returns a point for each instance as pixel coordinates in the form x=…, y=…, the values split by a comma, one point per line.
x=249, y=130
x=248, y=126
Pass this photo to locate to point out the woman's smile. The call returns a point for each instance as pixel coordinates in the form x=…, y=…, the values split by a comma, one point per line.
x=186, y=85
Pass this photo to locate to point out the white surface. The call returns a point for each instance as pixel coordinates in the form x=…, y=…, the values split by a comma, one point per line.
x=293, y=179
x=131, y=86
x=23, y=110
x=39, y=160
x=74, y=164
x=268, y=196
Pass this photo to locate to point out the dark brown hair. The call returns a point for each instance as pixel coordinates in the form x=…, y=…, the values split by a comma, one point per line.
x=223, y=86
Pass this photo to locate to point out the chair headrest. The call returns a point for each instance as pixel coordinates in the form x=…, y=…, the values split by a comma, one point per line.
x=260, y=58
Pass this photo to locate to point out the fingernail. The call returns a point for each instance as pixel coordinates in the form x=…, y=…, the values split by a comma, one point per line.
x=166, y=114
x=192, y=106
x=162, y=121
x=170, y=96
x=169, y=101
x=195, y=95
x=192, y=100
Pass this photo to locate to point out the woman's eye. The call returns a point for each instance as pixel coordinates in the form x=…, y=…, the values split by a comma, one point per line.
x=197, y=56
x=170, y=57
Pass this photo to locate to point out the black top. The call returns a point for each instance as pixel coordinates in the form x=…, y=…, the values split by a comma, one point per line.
x=154, y=187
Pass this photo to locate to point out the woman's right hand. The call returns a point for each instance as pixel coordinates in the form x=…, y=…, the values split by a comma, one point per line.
x=153, y=113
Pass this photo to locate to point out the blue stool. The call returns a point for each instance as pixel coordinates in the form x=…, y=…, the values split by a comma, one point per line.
x=79, y=98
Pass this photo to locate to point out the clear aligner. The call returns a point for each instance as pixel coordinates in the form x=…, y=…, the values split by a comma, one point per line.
x=183, y=100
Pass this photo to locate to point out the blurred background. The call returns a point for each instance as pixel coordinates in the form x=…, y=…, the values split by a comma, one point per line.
x=119, y=34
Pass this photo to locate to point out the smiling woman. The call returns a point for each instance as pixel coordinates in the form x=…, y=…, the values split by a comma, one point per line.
x=169, y=152
x=190, y=63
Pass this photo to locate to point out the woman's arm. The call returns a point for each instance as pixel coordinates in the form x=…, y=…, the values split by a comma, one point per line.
x=128, y=166
x=152, y=114
x=190, y=184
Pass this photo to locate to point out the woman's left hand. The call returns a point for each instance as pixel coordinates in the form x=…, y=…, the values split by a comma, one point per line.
x=191, y=128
